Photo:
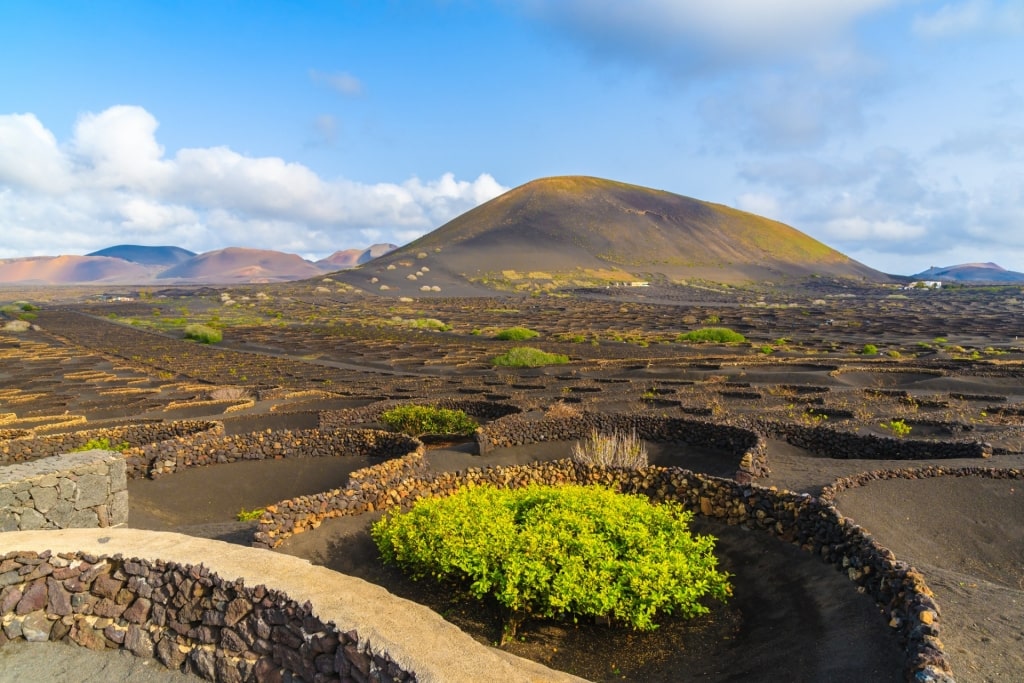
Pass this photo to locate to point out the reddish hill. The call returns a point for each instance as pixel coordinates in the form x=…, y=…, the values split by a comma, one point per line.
x=237, y=265
x=350, y=258
x=63, y=270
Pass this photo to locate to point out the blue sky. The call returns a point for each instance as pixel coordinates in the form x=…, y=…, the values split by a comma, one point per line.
x=892, y=130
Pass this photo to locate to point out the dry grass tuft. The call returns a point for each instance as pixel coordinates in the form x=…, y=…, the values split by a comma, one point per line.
x=614, y=450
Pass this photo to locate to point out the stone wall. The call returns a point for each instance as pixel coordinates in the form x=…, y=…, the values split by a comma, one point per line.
x=185, y=616
x=516, y=430
x=835, y=443
x=214, y=447
x=809, y=522
x=87, y=489
x=25, y=448
x=829, y=493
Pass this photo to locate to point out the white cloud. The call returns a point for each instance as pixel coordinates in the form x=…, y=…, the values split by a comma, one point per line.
x=341, y=82
x=972, y=16
x=855, y=228
x=29, y=156
x=699, y=31
x=112, y=183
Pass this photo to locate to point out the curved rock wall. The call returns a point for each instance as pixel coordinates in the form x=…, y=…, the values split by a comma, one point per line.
x=745, y=444
x=185, y=616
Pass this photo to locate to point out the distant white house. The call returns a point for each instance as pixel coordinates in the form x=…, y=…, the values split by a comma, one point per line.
x=924, y=284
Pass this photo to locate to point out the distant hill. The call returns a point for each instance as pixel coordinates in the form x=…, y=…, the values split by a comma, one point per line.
x=350, y=258
x=580, y=229
x=62, y=270
x=971, y=272
x=237, y=265
x=149, y=256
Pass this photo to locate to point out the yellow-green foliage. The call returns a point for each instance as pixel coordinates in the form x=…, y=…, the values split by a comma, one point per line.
x=516, y=334
x=560, y=552
x=101, y=444
x=718, y=335
x=527, y=357
x=203, y=334
x=417, y=420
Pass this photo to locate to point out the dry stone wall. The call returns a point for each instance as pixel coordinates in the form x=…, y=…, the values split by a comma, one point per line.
x=87, y=489
x=184, y=616
x=25, y=448
x=834, y=443
x=516, y=430
x=214, y=447
x=812, y=523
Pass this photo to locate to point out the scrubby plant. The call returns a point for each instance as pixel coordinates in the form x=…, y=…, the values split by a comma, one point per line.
x=528, y=357
x=611, y=450
x=429, y=324
x=869, y=350
x=102, y=443
x=561, y=409
x=203, y=334
x=417, y=420
x=719, y=335
x=559, y=552
x=899, y=428
x=516, y=334
x=249, y=515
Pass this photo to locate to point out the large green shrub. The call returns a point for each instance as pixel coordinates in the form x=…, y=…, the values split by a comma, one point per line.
x=203, y=333
x=516, y=334
x=528, y=357
x=720, y=335
x=559, y=552
x=418, y=420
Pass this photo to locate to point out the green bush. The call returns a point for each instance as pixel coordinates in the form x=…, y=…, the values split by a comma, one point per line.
x=418, y=420
x=557, y=552
x=101, y=444
x=527, y=357
x=719, y=335
x=249, y=515
x=203, y=334
x=517, y=334
x=899, y=428
x=429, y=324
x=869, y=350
x=611, y=450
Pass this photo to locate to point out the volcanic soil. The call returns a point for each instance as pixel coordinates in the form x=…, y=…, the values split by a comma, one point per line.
x=948, y=365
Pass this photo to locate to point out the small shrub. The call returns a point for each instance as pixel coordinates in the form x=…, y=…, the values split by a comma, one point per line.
x=517, y=334
x=249, y=515
x=766, y=349
x=893, y=354
x=429, y=324
x=418, y=420
x=527, y=357
x=612, y=450
x=869, y=350
x=561, y=409
x=203, y=334
x=556, y=552
x=899, y=428
x=101, y=444
x=719, y=335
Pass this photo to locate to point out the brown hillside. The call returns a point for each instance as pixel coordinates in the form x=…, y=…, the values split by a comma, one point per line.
x=236, y=264
x=61, y=270
x=577, y=227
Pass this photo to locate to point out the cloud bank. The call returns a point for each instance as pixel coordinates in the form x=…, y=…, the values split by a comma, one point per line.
x=113, y=182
